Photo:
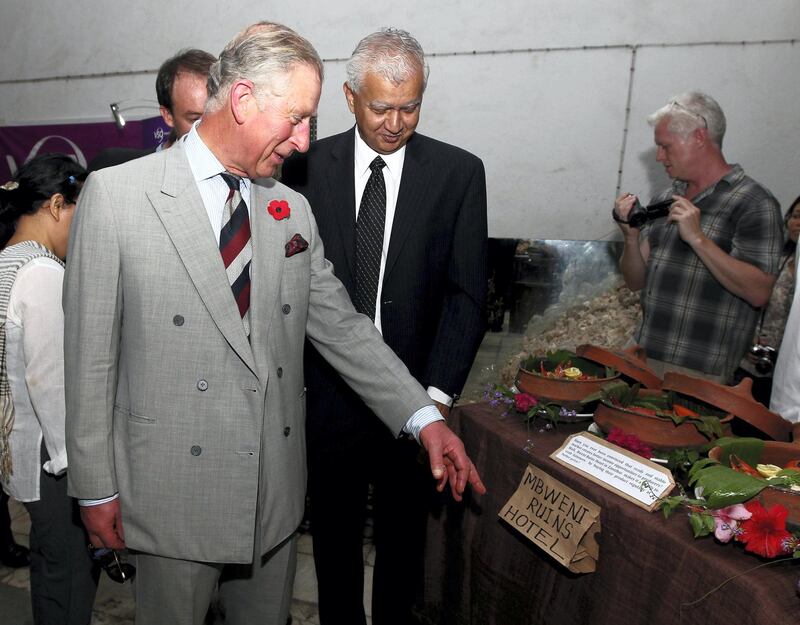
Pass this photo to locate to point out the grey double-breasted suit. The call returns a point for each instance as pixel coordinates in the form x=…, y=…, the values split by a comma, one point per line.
x=167, y=401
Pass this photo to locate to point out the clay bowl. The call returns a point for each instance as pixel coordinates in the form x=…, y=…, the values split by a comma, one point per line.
x=658, y=432
x=778, y=454
x=560, y=390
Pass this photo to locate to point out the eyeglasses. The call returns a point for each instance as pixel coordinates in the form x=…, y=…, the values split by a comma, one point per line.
x=117, y=569
x=677, y=105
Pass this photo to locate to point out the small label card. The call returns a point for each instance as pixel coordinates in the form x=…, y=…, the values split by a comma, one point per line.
x=559, y=521
x=621, y=471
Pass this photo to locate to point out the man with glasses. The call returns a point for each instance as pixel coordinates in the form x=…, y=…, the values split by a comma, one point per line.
x=705, y=269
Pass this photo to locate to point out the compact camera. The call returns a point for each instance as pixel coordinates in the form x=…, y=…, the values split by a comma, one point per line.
x=640, y=215
x=763, y=358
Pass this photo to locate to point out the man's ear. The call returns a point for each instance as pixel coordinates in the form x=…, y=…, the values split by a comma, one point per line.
x=242, y=100
x=701, y=136
x=350, y=96
x=166, y=115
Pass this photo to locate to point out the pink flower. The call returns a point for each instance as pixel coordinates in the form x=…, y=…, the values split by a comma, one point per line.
x=524, y=402
x=726, y=521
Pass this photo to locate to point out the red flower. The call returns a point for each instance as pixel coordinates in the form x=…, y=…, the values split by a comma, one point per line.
x=279, y=209
x=630, y=442
x=764, y=533
x=524, y=402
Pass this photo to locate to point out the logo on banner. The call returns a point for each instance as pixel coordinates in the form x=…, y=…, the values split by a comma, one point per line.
x=77, y=153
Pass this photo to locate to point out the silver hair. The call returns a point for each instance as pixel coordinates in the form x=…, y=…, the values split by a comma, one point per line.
x=692, y=110
x=391, y=53
x=263, y=53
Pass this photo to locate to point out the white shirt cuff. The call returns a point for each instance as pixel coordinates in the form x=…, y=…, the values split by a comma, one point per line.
x=421, y=418
x=438, y=395
x=97, y=502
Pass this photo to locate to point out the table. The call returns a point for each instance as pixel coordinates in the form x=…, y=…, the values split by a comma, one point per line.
x=479, y=571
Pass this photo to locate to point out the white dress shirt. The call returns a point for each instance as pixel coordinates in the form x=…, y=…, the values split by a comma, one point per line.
x=35, y=361
x=392, y=174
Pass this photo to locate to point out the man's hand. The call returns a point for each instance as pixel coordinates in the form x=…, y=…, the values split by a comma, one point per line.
x=623, y=205
x=449, y=461
x=103, y=523
x=687, y=217
x=633, y=263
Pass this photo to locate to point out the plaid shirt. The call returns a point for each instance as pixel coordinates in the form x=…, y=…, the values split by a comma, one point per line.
x=689, y=318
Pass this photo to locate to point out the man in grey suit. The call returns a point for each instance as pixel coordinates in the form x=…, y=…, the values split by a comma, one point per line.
x=184, y=376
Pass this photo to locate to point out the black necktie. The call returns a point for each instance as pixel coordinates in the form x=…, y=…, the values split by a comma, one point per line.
x=369, y=240
x=236, y=247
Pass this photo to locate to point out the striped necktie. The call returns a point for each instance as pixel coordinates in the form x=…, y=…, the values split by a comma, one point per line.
x=236, y=247
x=369, y=240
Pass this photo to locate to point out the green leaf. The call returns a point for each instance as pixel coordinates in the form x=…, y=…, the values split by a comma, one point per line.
x=747, y=449
x=612, y=390
x=700, y=465
x=723, y=486
x=670, y=504
x=630, y=395
x=699, y=523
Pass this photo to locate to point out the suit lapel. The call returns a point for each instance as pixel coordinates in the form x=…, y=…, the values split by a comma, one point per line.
x=269, y=254
x=342, y=187
x=181, y=211
x=410, y=198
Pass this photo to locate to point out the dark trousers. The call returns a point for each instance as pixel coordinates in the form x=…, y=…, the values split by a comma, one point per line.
x=339, y=481
x=63, y=576
x=6, y=536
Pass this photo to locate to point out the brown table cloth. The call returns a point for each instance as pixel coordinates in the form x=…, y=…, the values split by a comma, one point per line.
x=479, y=571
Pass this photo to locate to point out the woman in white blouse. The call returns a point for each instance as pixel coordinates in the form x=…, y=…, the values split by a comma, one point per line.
x=36, y=210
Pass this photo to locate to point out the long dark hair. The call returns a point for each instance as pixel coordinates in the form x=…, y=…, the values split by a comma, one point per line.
x=36, y=182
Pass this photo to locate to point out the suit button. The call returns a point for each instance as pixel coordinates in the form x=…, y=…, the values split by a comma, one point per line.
x=287, y=430
x=196, y=450
x=280, y=372
x=202, y=385
x=178, y=320
x=286, y=309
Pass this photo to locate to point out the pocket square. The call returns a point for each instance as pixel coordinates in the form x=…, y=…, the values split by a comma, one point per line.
x=296, y=245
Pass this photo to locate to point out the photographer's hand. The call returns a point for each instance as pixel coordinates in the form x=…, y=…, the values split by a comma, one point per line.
x=633, y=263
x=687, y=217
x=623, y=206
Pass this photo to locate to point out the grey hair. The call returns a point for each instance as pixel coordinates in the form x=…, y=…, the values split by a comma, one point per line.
x=692, y=110
x=391, y=53
x=264, y=53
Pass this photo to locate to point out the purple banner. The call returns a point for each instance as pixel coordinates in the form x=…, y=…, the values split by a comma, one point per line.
x=84, y=141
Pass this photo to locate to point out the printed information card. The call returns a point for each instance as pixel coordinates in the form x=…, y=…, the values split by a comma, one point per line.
x=635, y=478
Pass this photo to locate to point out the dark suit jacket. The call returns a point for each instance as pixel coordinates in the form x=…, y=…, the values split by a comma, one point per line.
x=434, y=286
x=110, y=157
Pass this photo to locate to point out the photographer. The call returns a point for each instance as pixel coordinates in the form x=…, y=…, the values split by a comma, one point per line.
x=705, y=268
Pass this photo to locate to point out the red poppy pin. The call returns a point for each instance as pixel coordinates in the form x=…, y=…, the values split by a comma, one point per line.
x=279, y=209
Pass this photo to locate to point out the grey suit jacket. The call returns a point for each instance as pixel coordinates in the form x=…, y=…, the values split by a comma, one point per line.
x=167, y=401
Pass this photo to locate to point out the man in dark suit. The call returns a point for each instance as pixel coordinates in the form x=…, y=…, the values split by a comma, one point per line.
x=428, y=303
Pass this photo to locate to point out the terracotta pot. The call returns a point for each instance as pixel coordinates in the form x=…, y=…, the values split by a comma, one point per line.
x=558, y=389
x=658, y=432
x=778, y=454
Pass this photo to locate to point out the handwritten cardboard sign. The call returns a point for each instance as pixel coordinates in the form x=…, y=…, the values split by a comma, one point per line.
x=555, y=518
x=622, y=472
